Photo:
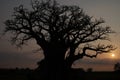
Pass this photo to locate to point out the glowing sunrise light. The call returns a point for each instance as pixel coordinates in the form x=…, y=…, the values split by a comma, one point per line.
x=113, y=55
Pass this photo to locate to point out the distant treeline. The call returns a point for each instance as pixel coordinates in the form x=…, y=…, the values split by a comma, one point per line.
x=15, y=71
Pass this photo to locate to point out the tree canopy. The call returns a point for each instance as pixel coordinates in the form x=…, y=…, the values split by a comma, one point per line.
x=49, y=22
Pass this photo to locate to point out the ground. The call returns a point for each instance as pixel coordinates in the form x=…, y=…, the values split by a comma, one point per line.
x=24, y=74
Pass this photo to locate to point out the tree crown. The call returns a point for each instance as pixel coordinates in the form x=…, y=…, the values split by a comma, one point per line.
x=51, y=23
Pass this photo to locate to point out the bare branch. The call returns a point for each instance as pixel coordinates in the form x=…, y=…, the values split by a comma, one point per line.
x=98, y=50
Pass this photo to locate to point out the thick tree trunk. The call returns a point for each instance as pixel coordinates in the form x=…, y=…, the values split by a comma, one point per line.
x=54, y=64
x=55, y=70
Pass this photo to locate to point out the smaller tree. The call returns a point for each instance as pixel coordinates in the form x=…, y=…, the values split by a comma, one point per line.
x=117, y=66
x=89, y=70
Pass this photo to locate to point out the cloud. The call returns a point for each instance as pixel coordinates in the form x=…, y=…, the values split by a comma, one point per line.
x=22, y=60
x=105, y=64
x=96, y=61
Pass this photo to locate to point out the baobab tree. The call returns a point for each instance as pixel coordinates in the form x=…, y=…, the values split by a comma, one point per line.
x=64, y=33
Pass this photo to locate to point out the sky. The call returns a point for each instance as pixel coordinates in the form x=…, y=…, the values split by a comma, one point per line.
x=109, y=10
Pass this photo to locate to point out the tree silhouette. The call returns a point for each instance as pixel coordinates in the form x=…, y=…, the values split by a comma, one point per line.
x=117, y=67
x=89, y=70
x=64, y=33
